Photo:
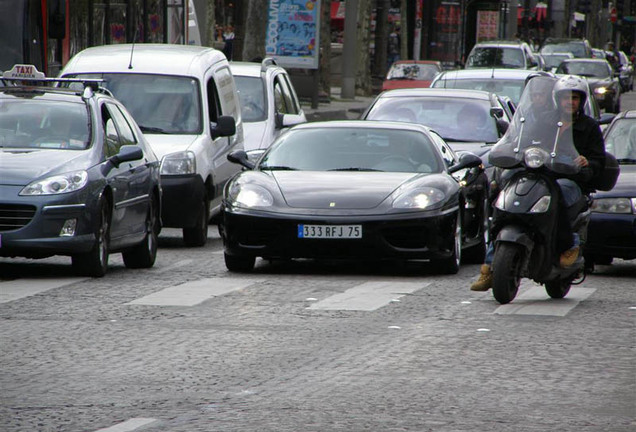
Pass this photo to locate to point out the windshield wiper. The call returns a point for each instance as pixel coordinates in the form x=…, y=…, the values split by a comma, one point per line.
x=626, y=161
x=152, y=129
x=277, y=168
x=354, y=169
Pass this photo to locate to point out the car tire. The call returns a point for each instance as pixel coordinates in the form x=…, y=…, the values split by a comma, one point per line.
x=197, y=235
x=95, y=262
x=145, y=253
x=239, y=263
x=450, y=265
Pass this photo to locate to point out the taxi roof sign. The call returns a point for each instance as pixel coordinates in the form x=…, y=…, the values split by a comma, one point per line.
x=23, y=72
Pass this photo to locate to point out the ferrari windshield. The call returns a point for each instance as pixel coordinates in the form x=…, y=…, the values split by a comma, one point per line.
x=456, y=119
x=540, y=134
x=353, y=149
x=36, y=123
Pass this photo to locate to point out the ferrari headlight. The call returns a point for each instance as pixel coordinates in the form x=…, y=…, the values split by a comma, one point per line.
x=59, y=184
x=419, y=198
x=179, y=163
x=250, y=196
x=614, y=205
x=535, y=157
x=600, y=90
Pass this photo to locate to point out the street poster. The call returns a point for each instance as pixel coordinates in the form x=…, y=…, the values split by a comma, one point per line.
x=293, y=29
x=487, y=25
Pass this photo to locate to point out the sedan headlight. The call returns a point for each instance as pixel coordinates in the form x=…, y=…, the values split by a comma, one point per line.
x=600, y=90
x=614, y=205
x=250, y=196
x=59, y=184
x=419, y=199
x=535, y=157
x=179, y=163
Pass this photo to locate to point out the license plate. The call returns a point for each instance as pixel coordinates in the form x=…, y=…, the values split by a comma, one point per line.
x=330, y=231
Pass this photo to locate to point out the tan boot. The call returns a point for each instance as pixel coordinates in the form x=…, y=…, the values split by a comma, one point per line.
x=485, y=279
x=569, y=257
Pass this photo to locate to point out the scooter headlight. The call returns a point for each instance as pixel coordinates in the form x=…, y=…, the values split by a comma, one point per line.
x=535, y=157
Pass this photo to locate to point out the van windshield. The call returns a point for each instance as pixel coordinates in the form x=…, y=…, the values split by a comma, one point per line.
x=159, y=103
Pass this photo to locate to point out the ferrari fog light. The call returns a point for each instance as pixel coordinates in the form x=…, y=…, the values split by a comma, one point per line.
x=613, y=205
x=542, y=205
x=68, y=229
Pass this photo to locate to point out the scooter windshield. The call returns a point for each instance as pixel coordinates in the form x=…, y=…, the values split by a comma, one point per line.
x=540, y=135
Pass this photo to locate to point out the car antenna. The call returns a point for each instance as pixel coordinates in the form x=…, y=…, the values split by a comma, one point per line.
x=132, y=49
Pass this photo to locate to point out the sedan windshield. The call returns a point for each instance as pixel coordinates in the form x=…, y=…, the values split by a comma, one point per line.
x=496, y=57
x=44, y=124
x=585, y=69
x=412, y=71
x=454, y=118
x=251, y=93
x=621, y=140
x=503, y=87
x=353, y=149
x=159, y=103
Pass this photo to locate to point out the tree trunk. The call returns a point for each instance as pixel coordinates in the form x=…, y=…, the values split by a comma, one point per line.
x=255, y=29
x=363, y=59
x=381, y=37
x=404, y=31
x=324, y=70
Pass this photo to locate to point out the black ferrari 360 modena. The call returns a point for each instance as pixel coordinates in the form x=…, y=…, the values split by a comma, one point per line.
x=356, y=190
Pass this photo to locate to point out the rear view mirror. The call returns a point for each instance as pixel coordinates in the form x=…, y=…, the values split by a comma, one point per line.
x=496, y=112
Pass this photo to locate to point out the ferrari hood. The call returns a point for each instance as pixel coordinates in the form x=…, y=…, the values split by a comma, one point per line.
x=338, y=190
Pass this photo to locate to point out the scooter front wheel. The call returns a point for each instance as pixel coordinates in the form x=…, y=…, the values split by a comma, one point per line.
x=506, y=275
x=559, y=288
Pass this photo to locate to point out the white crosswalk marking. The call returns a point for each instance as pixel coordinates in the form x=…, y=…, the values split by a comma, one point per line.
x=129, y=425
x=194, y=292
x=535, y=301
x=20, y=288
x=368, y=296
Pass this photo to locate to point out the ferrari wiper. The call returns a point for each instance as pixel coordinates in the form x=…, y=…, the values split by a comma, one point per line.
x=278, y=168
x=354, y=169
x=626, y=161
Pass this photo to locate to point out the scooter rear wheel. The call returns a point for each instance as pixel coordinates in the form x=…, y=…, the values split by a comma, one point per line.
x=506, y=272
x=559, y=288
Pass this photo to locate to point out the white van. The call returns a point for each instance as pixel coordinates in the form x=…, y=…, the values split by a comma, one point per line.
x=185, y=101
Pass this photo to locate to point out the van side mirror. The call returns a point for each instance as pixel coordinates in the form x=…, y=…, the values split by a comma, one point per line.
x=224, y=126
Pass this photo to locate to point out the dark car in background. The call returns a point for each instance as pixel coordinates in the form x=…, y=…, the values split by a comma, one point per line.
x=355, y=190
x=612, y=228
x=77, y=177
x=601, y=78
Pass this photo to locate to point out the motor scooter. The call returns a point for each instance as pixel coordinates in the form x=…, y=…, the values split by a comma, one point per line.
x=535, y=153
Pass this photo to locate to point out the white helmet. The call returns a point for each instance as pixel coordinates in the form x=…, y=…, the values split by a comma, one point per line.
x=570, y=83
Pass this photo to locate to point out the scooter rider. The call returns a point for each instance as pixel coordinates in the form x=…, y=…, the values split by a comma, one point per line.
x=569, y=94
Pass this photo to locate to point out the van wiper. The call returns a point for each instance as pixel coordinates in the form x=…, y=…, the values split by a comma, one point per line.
x=152, y=129
x=354, y=169
x=277, y=168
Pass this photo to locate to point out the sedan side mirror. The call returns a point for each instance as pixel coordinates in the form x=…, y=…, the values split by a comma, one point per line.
x=126, y=153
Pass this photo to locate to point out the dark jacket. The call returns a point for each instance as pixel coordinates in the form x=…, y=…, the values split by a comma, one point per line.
x=588, y=141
